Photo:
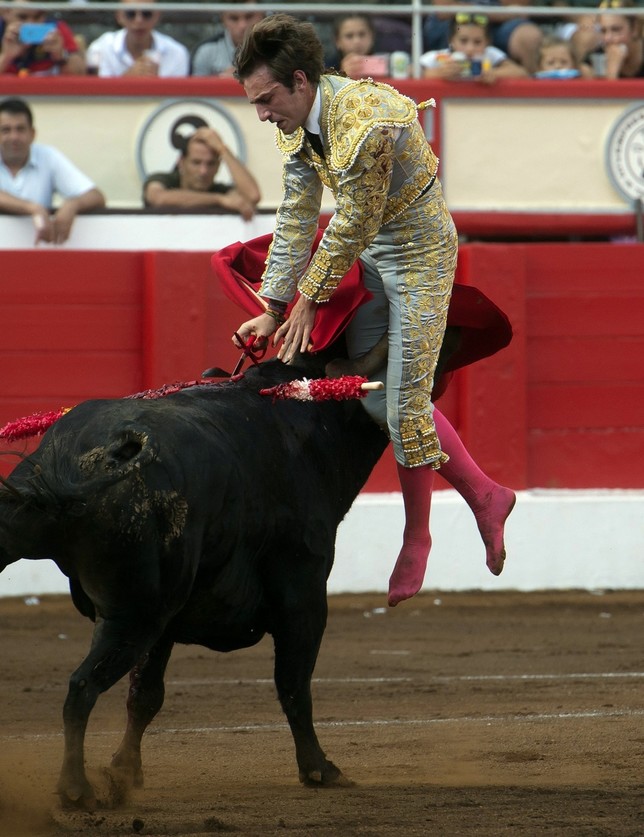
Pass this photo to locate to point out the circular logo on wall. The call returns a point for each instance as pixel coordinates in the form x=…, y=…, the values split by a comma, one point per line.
x=625, y=154
x=171, y=124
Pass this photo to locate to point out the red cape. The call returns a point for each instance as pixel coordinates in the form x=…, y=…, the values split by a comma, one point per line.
x=239, y=268
x=485, y=329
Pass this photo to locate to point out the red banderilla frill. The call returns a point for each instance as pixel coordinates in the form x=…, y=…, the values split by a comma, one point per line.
x=324, y=389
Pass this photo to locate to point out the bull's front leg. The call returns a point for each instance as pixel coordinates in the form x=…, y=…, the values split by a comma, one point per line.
x=298, y=632
x=112, y=655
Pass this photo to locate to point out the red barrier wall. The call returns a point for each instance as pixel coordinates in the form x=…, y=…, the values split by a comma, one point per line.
x=562, y=406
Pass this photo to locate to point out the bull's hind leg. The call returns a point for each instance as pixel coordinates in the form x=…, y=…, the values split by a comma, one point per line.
x=299, y=625
x=115, y=650
x=144, y=700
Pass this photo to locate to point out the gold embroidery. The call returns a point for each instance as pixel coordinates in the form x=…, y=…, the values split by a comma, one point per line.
x=361, y=198
x=358, y=108
x=289, y=143
x=425, y=242
x=379, y=201
x=420, y=443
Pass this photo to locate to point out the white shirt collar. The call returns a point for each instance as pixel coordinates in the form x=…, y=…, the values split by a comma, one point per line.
x=120, y=45
x=312, y=123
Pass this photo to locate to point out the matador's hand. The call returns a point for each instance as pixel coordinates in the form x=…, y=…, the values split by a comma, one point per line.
x=260, y=328
x=296, y=331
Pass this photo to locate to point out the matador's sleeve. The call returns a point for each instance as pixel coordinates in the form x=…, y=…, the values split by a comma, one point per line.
x=361, y=196
x=295, y=229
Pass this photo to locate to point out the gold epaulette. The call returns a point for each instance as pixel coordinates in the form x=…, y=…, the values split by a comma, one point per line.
x=289, y=143
x=356, y=109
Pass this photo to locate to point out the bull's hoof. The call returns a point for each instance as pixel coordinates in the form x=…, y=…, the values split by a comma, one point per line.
x=329, y=777
x=128, y=772
x=77, y=797
x=108, y=790
x=115, y=788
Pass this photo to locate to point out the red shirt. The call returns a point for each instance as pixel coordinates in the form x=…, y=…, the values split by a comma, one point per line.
x=35, y=61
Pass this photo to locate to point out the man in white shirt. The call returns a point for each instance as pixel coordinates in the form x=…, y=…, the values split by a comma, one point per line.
x=30, y=175
x=137, y=49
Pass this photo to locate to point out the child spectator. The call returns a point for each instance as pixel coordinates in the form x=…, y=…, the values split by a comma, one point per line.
x=557, y=60
x=137, y=49
x=57, y=52
x=355, y=37
x=470, y=54
x=518, y=37
x=214, y=57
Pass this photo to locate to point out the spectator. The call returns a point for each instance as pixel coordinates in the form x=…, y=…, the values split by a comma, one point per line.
x=214, y=57
x=57, y=52
x=580, y=30
x=622, y=45
x=354, y=36
x=518, y=37
x=557, y=60
x=191, y=183
x=137, y=49
x=470, y=54
x=31, y=173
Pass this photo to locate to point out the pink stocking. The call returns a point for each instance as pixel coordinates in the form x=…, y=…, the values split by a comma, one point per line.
x=409, y=572
x=490, y=502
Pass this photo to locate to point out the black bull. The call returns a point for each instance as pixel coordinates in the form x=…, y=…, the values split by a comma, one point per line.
x=208, y=517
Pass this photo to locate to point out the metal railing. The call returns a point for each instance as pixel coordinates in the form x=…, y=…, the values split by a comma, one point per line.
x=415, y=10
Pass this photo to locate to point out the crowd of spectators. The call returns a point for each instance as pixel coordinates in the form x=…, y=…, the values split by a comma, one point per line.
x=39, y=181
x=462, y=44
x=606, y=44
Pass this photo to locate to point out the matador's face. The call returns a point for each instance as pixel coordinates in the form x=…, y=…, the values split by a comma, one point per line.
x=276, y=103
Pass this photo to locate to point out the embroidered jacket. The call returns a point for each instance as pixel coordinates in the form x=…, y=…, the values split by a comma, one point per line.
x=377, y=162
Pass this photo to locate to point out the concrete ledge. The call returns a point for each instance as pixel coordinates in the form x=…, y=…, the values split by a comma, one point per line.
x=556, y=540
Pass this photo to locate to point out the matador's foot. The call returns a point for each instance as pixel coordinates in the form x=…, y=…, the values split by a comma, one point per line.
x=491, y=523
x=409, y=572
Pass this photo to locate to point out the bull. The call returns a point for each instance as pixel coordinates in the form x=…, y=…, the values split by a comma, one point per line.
x=208, y=517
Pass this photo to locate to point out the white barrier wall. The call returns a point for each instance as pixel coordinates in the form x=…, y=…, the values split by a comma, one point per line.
x=556, y=540
x=141, y=232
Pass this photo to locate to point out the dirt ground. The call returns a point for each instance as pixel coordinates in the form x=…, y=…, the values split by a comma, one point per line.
x=486, y=714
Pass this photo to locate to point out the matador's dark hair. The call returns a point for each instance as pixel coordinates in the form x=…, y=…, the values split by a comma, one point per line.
x=283, y=44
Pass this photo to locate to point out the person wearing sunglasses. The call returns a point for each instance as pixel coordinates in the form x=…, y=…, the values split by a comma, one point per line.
x=470, y=54
x=137, y=49
x=51, y=52
x=518, y=37
x=215, y=56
